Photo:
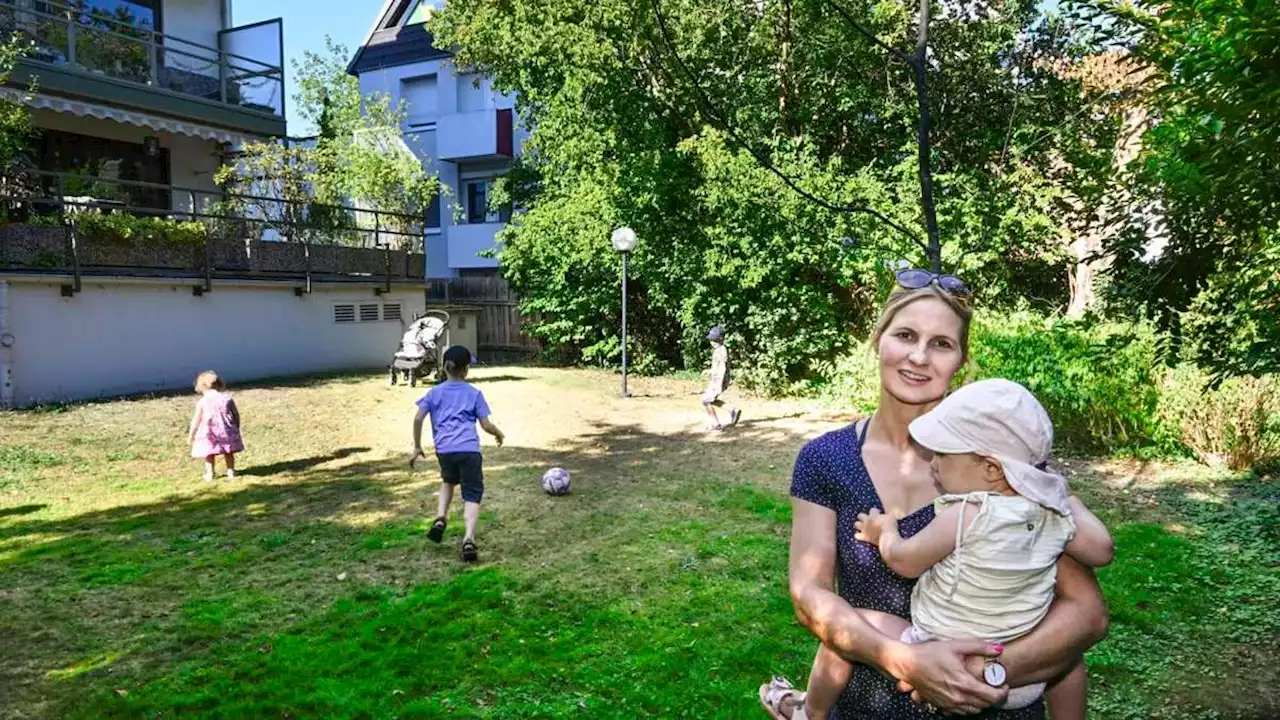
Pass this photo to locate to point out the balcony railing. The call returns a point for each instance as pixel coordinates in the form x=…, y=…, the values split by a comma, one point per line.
x=45, y=228
x=252, y=217
x=90, y=40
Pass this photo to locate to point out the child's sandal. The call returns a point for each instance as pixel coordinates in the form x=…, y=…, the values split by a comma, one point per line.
x=469, y=553
x=436, y=533
x=779, y=694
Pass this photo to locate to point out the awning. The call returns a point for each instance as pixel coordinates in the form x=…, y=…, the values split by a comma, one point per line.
x=81, y=108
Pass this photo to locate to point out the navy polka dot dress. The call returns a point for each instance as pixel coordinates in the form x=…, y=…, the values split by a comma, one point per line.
x=830, y=472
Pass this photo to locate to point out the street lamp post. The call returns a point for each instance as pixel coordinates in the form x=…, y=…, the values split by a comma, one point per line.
x=624, y=241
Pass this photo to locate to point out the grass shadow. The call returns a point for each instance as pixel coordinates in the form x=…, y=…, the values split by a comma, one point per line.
x=300, y=464
x=311, y=380
x=482, y=379
x=751, y=421
x=22, y=510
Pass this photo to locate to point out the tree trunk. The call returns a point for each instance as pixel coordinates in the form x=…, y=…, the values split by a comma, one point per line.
x=784, y=71
x=918, y=66
x=1089, y=244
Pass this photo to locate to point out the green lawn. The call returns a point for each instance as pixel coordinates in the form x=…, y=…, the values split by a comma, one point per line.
x=130, y=588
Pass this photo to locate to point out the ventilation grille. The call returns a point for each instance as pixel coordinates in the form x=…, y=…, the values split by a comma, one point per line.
x=367, y=312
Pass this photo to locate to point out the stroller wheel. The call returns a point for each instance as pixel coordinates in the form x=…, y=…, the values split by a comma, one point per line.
x=413, y=379
x=392, y=377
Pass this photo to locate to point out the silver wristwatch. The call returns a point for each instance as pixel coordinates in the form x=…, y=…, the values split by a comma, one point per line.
x=994, y=673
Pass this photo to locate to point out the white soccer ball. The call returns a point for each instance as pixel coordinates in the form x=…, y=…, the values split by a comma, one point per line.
x=556, y=481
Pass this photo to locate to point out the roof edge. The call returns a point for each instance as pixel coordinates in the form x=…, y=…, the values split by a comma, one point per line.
x=377, y=22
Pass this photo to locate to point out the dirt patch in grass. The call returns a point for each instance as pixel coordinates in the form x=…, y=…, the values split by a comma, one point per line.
x=656, y=589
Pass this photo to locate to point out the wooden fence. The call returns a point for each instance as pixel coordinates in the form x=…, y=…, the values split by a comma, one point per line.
x=500, y=331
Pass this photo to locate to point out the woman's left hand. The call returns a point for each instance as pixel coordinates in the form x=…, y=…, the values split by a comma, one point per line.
x=975, y=664
x=947, y=676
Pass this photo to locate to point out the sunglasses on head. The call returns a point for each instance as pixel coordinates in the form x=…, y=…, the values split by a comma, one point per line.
x=915, y=279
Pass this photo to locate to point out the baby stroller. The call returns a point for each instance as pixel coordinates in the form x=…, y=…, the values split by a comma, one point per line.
x=421, y=352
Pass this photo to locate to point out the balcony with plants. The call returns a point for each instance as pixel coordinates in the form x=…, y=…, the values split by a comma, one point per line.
x=72, y=225
x=113, y=55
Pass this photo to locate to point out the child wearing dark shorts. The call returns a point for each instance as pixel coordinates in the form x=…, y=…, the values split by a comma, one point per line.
x=455, y=406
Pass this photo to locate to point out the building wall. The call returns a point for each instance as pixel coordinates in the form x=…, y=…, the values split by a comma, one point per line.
x=453, y=94
x=131, y=336
x=192, y=161
x=466, y=242
x=463, y=326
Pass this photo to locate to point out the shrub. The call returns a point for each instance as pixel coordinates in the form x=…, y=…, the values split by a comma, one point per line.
x=855, y=380
x=1236, y=424
x=52, y=220
x=1100, y=382
x=123, y=228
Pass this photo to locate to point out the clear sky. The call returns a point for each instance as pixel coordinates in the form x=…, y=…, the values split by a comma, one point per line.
x=306, y=22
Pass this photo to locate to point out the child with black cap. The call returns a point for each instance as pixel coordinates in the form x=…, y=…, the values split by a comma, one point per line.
x=455, y=406
x=719, y=381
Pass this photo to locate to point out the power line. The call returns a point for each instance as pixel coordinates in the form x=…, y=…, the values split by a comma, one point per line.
x=708, y=107
x=868, y=34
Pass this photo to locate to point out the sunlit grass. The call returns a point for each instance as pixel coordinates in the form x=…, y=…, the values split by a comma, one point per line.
x=308, y=587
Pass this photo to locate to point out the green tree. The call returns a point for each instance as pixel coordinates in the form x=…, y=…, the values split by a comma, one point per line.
x=16, y=132
x=1211, y=165
x=360, y=157
x=15, y=121
x=730, y=135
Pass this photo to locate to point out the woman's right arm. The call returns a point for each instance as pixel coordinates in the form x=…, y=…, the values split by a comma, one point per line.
x=938, y=671
x=853, y=634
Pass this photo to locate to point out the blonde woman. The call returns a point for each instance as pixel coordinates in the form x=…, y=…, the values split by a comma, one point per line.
x=847, y=596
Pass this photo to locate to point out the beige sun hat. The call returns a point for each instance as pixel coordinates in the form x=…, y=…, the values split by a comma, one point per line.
x=1002, y=420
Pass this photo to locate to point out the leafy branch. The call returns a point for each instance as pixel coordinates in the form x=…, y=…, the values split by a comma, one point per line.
x=917, y=61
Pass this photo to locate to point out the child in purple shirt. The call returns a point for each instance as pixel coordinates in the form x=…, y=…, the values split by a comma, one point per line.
x=455, y=406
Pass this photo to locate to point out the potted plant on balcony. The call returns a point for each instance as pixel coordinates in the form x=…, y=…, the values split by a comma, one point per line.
x=120, y=239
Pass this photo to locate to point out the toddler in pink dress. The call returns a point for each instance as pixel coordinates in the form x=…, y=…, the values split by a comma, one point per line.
x=215, y=426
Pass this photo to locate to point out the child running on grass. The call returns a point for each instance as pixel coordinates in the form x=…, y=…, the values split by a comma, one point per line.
x=215, y=425
x=719, y=381
x=987, y=562
x=455, y=406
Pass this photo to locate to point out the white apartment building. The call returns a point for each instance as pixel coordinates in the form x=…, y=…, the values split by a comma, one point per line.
x=467, y=133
